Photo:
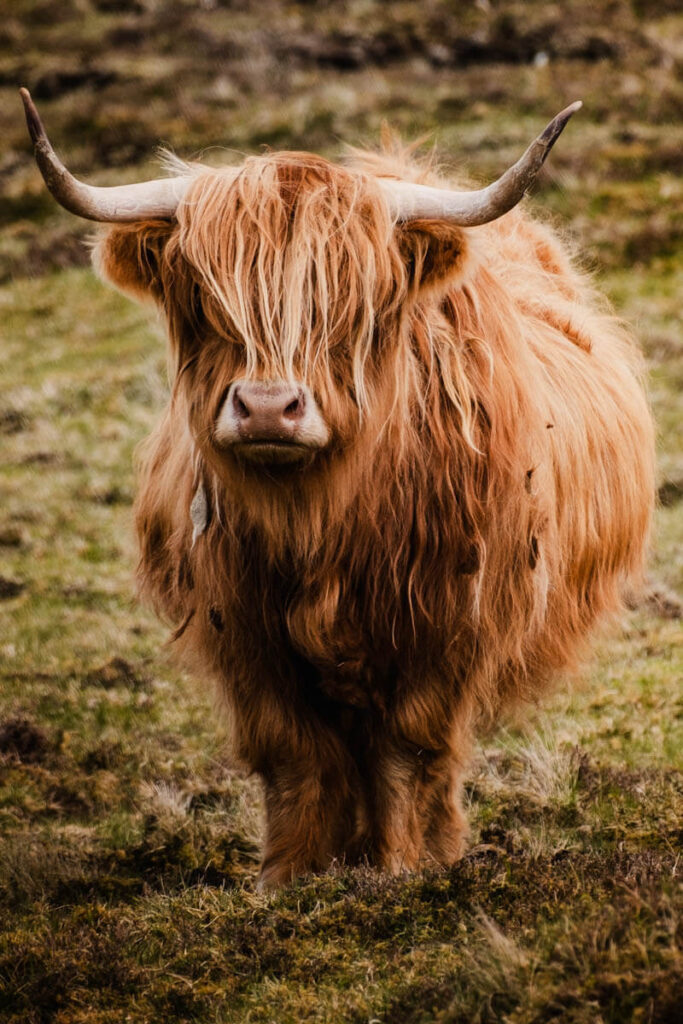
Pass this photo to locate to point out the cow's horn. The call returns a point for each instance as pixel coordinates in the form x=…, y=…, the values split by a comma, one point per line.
x=142, y=201
x=409, y=201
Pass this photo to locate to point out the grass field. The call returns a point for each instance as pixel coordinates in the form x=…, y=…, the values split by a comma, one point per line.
x=128, y=848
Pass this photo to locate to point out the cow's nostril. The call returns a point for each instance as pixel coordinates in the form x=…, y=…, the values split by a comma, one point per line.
x=241, y=409
x=294, y=409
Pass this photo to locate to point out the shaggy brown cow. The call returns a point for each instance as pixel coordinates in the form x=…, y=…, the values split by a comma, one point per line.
x=406, y=466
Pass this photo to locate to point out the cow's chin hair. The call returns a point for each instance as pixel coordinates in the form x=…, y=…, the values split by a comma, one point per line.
x=274, y=455
x=275, y=499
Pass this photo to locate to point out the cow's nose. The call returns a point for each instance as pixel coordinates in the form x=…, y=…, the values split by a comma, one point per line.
x=270, y=421
x=267, y=409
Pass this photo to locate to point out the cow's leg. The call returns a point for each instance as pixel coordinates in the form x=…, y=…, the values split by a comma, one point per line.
x=445, y=825
x=394, y=826
x=286, y=732
x=415, y=815
x=413, y=783
x=310, y=814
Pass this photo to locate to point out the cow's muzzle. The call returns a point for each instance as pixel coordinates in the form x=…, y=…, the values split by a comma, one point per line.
x=270, y=422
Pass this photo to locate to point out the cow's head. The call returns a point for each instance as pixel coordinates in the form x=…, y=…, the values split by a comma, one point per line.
x=285, y=283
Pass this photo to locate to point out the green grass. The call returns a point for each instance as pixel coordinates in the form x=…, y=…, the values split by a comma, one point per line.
x=128, y=848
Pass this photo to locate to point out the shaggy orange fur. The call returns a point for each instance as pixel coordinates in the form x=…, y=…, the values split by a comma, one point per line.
x=486, y=494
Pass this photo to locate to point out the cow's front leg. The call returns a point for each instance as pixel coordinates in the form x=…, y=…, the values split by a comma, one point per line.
x=310, y=815
x=415, y=813
x=445, y=824
x=395, y=828
x=286, y=732
x=413, y=781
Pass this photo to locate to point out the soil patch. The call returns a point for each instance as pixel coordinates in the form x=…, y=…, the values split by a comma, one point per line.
x=21, y=737
x=117, y=672
x=10, y=588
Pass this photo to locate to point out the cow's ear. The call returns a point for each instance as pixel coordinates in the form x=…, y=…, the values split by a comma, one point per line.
x=435, y=252
x=131, y=257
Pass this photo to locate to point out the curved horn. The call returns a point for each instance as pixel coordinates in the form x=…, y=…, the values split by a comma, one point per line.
x=146, y=200
x=409, y=201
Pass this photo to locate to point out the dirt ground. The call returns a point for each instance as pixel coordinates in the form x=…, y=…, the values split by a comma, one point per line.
x=128, y=848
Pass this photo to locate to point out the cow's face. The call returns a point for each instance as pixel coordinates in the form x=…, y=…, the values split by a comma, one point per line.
x=289, y=287
x=288, y=293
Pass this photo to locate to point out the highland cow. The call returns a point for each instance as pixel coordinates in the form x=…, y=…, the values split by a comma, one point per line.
x=406, y=466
